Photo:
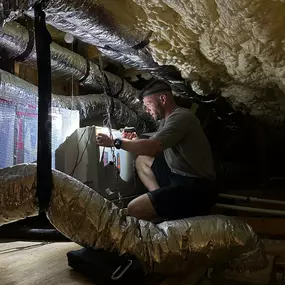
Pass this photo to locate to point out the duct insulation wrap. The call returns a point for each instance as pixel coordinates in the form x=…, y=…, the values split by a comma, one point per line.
x=15, y=39
x=91, y=107
x=90, y=220
x=93, y=24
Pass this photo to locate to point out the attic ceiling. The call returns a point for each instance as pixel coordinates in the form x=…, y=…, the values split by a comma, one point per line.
x=236, y=47
x=232, y=48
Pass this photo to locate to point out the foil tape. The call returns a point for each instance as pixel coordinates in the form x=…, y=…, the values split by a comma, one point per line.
x=91, y=107
x=14, y=39
x=90, y=220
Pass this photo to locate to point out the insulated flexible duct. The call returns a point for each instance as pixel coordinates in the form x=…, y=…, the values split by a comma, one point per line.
x=90, y=23
x=93, y=24
x=91, y=107
x=88, y=219
x=18, y=43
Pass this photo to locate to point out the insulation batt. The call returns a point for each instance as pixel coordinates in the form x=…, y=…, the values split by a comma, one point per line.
x=91, y=107
x=88, y=219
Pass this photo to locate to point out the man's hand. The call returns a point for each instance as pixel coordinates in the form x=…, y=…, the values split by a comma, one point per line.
x=149, y=147
x=129, y=136
x=104, y=140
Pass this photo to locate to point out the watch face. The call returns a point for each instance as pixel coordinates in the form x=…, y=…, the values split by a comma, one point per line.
x=117, y=143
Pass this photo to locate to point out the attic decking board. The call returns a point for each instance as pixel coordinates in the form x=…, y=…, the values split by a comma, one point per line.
x=42, y=263
x=34, y=263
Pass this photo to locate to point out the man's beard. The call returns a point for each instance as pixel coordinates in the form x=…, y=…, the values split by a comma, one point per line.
x=159, y=114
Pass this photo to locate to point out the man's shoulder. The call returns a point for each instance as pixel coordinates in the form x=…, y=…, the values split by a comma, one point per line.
x=183, y=113
x=183, y=117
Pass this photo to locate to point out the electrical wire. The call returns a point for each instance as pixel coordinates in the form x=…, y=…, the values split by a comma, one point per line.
x=72, y=87
x=89, y=137
x=78, y=151
x=108, y=123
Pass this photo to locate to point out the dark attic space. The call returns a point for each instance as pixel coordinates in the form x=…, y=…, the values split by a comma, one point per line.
x=142, y=142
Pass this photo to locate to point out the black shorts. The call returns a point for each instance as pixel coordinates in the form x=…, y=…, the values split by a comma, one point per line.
x=180, y=196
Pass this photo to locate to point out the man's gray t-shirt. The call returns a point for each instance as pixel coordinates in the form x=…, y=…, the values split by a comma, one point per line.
x=186, y=147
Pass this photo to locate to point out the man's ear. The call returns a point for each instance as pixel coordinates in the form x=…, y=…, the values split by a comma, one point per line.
x=162, y=98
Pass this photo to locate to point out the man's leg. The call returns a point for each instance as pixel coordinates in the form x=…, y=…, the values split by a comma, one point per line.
x=146, y=175
x=142, y=208
x=149, y=170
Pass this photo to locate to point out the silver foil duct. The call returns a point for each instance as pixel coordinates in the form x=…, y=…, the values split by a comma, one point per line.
x=93, y=24
x=14, y=40
x=88, y=219
x=89, y=22
x=91, y=107
x=95, y=106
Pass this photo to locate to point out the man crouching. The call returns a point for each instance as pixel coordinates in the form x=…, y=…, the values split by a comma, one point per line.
x=175, y=165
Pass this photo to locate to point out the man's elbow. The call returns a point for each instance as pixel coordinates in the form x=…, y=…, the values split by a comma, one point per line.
x=156, y=149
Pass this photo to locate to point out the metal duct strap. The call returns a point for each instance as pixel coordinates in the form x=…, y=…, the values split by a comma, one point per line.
x=107, y=89
x=44, y=174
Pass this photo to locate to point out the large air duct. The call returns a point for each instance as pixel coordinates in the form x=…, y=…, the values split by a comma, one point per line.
x=93, y=24
x=88, y=219
x=91, y=107
x=18, y=43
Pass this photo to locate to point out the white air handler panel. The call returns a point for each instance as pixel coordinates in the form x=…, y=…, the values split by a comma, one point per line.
x=80, y=157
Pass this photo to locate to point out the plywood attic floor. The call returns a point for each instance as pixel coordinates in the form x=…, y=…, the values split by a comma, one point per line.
x=43, y=263
x=37, y=263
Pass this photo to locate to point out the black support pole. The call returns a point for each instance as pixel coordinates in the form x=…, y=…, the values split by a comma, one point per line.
x=44, y=174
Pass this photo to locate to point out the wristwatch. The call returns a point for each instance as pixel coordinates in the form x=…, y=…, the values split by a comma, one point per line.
x=117, y=143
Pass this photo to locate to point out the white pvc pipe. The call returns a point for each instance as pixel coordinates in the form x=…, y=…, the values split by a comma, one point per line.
x=251, y=199
x=250, y=209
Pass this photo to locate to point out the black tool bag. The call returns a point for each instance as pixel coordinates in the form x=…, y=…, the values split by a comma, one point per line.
x=106, y=268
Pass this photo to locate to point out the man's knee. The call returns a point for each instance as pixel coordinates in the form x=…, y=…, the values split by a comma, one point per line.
x=140, y=162
x=143, y=162
x=141, y=208
x=133, y=209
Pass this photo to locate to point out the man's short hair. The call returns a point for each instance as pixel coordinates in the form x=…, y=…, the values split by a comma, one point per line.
x=156, y=86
